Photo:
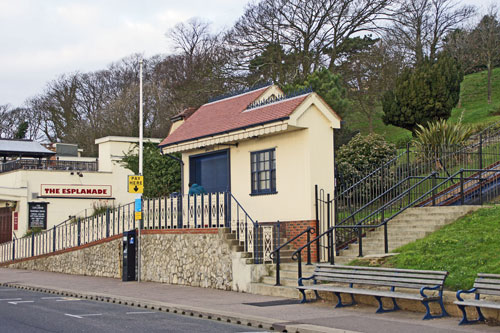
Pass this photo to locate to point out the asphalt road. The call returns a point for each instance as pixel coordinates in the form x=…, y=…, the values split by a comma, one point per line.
x=27, y=311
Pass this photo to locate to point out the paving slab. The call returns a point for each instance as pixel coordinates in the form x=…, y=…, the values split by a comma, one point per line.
x=268, y=312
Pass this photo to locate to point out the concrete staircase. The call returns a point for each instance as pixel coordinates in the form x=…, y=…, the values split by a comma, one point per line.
x=412, y=224
x=288, y=280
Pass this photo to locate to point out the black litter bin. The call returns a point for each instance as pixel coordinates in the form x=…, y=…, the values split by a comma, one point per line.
x=129, y=255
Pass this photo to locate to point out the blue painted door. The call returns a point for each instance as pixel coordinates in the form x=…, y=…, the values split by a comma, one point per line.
x=210, y=171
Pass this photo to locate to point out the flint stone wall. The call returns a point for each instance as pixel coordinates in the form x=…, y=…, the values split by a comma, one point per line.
x=191, y=259
x=102, y=259
x=200, y=258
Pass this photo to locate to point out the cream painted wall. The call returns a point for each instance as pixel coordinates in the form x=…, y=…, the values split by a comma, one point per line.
x=23, y=186
x=304, y=157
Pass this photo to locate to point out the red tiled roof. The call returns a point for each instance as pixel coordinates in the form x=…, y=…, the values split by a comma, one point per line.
x=228, y=115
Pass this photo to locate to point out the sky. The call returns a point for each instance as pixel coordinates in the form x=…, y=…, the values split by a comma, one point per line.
x=43, y=39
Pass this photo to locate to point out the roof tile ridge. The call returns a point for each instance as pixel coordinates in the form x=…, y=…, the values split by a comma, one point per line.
x=238, y=95
x=275, y=101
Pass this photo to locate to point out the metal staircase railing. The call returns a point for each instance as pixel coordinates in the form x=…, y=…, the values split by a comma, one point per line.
x=212, y=210
x=352, y=203
x=471, y=186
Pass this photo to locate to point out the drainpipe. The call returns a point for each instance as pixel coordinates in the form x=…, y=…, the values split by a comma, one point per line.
x=182, y=169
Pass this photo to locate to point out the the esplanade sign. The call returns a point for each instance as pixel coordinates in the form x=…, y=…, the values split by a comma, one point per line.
x=75, y=191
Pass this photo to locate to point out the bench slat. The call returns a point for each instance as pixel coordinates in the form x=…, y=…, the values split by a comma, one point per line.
x=488, y=291
x=367, y=279
x=376, y=283
x=495, y=276
x=488, y=281
x=394, y=274
x=382, y=269
x=481, y=303
x=486, y=286
x=374, y=292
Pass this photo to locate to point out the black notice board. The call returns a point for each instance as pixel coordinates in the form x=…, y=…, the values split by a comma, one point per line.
x=37, y=215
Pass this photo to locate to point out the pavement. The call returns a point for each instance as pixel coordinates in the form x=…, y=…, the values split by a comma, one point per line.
x=257, y=311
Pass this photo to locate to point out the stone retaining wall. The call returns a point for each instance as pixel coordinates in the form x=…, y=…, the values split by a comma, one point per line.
x=97, y=259
x=194, y=259
x=198, y=257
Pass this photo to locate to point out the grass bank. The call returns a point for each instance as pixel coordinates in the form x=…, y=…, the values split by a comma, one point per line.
x=464, y=248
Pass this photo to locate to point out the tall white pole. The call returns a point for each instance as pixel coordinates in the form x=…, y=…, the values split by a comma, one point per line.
x=140, y=169
x=140, y=117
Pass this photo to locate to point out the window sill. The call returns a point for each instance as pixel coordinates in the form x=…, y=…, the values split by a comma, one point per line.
x=263, y=193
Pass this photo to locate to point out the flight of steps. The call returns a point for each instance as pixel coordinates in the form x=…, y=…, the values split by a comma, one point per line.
x=288, y=280
x=412, y=224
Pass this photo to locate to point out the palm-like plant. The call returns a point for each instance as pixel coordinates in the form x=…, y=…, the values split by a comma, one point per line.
x=439, y=136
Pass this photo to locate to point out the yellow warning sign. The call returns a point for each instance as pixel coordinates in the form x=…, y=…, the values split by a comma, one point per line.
x=138, y=215
x=136, y=184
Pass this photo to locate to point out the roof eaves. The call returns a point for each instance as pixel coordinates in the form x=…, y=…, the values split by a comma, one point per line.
x=224, y=132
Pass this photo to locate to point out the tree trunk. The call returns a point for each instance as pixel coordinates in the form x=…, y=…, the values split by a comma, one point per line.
x=489, y=79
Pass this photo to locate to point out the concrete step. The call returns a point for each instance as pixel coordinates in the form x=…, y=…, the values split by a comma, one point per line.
x=293, y=267
x=284, y=281
x=272, y=290
x=292, y=274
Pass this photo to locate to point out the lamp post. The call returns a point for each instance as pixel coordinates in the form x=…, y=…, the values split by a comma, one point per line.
x=139, y=196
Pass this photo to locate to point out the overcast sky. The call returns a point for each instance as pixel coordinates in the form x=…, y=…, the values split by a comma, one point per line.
x=42, y=39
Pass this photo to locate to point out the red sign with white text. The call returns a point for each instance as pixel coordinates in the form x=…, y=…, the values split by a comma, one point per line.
x=16, y=221
x=75, y=191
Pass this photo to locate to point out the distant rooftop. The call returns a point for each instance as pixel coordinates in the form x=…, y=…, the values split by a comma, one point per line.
x=23, y=148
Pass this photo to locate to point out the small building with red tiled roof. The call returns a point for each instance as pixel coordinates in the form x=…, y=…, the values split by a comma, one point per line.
x=269, y=151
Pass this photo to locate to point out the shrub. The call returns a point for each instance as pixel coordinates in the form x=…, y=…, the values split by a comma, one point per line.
x=439, y=136
x=361, y=155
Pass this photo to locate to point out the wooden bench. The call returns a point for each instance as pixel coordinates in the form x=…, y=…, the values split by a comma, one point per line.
x=485, y=284
x=377, y=277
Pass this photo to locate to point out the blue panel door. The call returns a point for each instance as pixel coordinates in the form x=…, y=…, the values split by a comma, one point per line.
x=210, y=171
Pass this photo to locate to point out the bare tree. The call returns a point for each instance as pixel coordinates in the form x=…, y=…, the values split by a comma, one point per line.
x=419, y=26
x=311, y=30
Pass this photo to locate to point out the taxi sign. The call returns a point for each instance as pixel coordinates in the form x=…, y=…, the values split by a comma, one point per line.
x=136, y=184
x=138, y=215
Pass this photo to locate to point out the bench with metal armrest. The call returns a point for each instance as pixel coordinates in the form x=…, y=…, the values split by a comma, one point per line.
x=363, y=277
x=485, y=284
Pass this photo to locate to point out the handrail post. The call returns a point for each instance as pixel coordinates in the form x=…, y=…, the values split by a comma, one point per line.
x=481, y=168
x=299, y=263
x=13, y=249
x=332, y=249
x=54, y=239
x=79, y=242
x=108, y=217
x=360, y=242
x=309, y=247
x=278, y=258
x=32, y=243
x=434, y=189
x=462, y=199
x=317, y=220
x=386, y=242
x=256, y=242
x=328, y=224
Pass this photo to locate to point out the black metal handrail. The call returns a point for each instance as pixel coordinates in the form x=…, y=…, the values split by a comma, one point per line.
x=309, y=231
x=297, y=255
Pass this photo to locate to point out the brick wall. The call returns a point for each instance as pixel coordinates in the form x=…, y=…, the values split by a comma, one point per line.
x=293, y=228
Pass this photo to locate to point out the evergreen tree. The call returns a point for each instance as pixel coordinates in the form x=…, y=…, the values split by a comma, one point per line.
x=425, y=93
x=328, y=85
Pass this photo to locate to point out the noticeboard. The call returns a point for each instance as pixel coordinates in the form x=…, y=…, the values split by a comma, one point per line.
x=37, y=215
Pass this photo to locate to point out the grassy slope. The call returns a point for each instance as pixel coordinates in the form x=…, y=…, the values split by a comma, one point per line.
x=463, y=248
x=475, y=108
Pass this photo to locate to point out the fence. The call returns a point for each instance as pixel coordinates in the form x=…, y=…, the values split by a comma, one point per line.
x=213, y=210
x=34, y=164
